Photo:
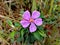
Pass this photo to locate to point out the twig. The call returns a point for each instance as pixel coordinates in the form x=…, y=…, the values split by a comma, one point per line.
x=5, y=17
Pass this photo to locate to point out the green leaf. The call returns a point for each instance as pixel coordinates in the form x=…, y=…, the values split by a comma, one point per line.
x=41, y=32
x=42, y=15
x=12, y=34
x=31, y=38
x=22, y=33
x=17, y=24
x=9, y=22
x=40, y=28
x=37, y=35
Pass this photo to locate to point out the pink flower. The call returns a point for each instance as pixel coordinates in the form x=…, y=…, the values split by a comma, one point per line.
x=31, y=20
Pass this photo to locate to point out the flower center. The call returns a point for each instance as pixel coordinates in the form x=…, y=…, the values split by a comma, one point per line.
x=31, y=20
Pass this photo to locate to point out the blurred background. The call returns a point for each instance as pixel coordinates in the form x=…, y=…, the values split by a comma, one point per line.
x=12, y=33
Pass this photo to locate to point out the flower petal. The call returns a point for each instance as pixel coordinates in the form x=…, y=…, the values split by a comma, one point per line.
x=38, y=21
x=32, y=27
x=35, y=14
x=24, y=23
x=26, y=15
